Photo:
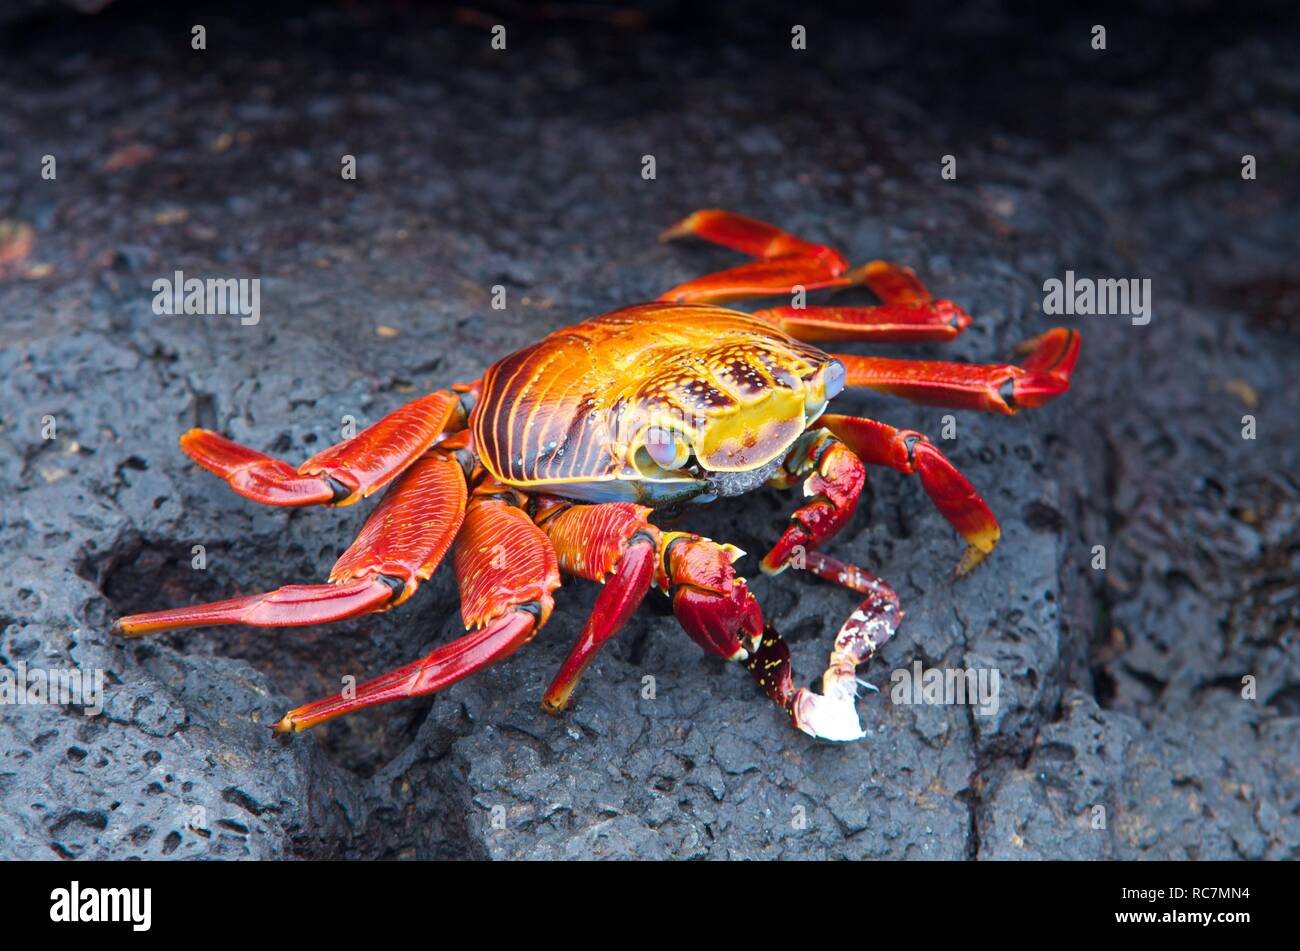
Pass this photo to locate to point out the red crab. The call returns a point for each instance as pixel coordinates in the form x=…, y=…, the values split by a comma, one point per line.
x=555, y=460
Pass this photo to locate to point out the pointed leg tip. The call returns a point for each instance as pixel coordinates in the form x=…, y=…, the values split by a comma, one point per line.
x=286, y=724
x=1064, y=334
x=680, y=230
x=127, y=627
x=190, y=435
x=686, y=226
x=555, y=706
x=779, y=555
x=970, y=560
x=859, y=275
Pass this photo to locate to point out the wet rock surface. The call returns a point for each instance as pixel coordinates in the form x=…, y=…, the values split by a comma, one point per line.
x=1121, y=730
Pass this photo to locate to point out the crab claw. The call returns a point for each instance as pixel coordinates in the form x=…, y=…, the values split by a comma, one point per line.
x=832, y=714
x=724, y=624
x=833, y=490
x=713, y=604
x=826, y=717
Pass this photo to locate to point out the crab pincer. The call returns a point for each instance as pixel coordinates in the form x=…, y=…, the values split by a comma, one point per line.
x=831, y=713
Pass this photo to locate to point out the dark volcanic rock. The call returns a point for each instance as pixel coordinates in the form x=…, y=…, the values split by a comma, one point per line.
x=1121, y=729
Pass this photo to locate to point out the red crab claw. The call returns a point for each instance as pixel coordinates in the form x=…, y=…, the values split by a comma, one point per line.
x=713, y=604
x=833, y=490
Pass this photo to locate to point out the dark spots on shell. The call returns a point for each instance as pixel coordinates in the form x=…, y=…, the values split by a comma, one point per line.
x=702, y=395
x=745, y=378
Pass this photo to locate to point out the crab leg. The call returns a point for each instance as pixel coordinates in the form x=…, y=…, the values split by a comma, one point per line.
x=760, y=279
x=935, y=322
x=1005, y=388
x=909, y=313
x=834, y=481
x=784, y=261
x=507, y=570
x=612, y=544
x=340, y=475
x=758, y=239
x=911, y=453
x=401, y=544
x=831, y=714
x=867, y=628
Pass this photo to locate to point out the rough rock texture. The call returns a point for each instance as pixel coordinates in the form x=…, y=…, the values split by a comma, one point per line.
x=1122, y=729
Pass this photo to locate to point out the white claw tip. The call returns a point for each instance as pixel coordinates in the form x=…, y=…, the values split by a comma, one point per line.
x=828, y=718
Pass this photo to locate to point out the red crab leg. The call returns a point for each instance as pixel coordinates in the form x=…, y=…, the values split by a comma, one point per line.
x=909, y=313
x=290, y=606
x=784, y=260
x=909, y=452
x=760, y=279
x=894, y=283
x=400, y=545
x=343, y=473
x=833, y=486
x=507, y=570
x=1044, y=375
x=614, y=545
x=443, y=667
x=831, y=714
x=867, y=629
x=937, y=322
x=758, y=239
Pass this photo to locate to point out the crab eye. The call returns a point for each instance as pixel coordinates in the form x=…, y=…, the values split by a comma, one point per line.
x=833, y=379
x=665, y=448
